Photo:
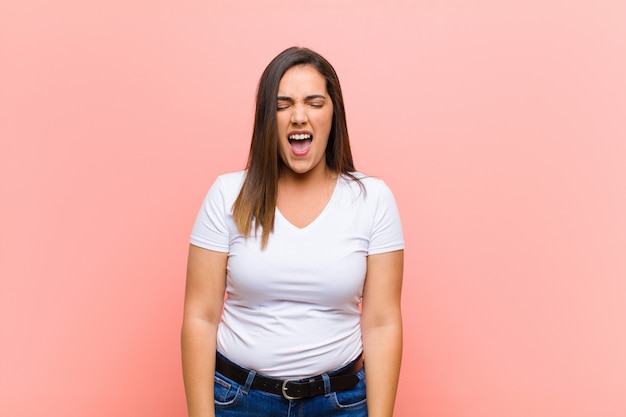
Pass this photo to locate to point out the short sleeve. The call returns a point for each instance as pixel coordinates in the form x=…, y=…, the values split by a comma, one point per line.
x=387, y=229
x=210, y=230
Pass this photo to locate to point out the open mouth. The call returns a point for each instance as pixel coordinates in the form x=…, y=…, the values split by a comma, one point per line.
x=300, y=142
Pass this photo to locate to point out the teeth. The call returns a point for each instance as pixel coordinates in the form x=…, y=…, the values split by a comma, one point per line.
x=300, y=136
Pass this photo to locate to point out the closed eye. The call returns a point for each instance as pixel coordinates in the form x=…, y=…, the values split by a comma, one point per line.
x=283, y=104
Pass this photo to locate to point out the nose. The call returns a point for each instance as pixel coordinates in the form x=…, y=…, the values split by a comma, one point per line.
x=298, y=115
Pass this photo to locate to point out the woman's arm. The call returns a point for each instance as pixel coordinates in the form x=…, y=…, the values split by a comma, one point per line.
x=381, y=324
x=204, y=298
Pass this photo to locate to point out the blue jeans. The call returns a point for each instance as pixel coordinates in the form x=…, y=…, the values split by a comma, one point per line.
x=236, y=400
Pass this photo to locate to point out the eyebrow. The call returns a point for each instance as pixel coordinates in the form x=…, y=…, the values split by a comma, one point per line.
x=310, y=97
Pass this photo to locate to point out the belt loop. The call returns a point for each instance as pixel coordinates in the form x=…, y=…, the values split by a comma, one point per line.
x=248, y=383
x=326, y=379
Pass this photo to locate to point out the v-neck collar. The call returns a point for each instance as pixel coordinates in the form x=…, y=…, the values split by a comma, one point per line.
x=321, y=214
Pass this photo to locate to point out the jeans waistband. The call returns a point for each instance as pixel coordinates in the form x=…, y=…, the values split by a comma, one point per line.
x=341, y=379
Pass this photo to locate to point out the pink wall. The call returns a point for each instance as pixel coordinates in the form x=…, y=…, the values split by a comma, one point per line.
x=500, y=128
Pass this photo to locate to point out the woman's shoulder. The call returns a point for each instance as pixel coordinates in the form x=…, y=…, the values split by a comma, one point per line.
x=231, y=181
x=228, y=185
x=366, y=189
x=235, y=177
x=364, y=182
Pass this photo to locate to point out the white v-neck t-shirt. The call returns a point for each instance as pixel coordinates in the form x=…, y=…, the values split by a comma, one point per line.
x=292, y=309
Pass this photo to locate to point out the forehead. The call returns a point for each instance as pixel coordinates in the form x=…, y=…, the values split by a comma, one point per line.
x=302, y=79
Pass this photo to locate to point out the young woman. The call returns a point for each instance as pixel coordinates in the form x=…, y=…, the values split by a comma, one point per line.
x=309, y=253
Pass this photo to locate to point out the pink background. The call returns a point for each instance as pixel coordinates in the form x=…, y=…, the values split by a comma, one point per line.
x=500, y=127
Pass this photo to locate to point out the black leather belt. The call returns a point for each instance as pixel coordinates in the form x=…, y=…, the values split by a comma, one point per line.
x=292, y=389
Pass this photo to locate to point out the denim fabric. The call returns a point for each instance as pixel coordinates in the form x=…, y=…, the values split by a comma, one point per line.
x=236, y=400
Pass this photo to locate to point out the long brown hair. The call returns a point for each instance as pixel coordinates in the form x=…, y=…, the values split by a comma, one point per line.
x=256, y=204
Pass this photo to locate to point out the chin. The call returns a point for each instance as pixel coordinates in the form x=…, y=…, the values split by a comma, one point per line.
x=298, y=169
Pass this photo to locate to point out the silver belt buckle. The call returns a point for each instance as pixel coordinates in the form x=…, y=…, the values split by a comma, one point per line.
x=284, y=390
